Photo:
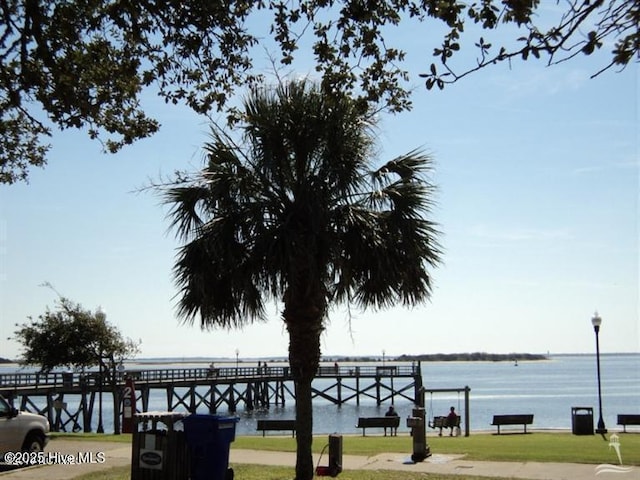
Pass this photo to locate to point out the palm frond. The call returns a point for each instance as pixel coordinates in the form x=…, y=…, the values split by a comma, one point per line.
x=294, y=211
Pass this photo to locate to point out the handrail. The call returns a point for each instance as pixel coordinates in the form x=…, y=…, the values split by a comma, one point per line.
x=91, y=378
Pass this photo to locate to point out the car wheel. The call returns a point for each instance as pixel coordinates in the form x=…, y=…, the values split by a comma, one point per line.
x=33, y=443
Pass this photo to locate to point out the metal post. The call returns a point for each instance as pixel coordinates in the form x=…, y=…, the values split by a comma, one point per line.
x=466, y=411
x=596, y=321
x=101, y=316
x=417, y=423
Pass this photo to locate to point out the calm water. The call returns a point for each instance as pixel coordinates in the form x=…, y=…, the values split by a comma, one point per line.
x=548, y=389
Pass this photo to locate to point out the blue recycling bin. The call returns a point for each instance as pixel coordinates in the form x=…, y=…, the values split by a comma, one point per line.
x=209, y=439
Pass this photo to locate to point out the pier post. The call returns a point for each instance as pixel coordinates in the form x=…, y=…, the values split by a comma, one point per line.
x=467, y=416
x=266, y=401
x=249, y=395
x=418, y=386
x=117, y=412
x=144, y=398
x=212, y=400
x=92, y=399
x=231, y=402
x=86, y=421
x=192, y=399
x=57, y=406
x=282, y=393
x=393, y=391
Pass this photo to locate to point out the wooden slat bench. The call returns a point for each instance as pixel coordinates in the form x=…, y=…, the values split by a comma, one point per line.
x=379, y=422
x=275, y=425
x=443, y=422
x=625, y=419
x=519, y=419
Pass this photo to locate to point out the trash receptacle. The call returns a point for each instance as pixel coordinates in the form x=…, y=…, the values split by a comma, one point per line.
x=159, y=450
x=209, y=438
x=582, y=420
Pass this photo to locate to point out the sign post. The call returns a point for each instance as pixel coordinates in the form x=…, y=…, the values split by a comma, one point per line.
x=129, y=406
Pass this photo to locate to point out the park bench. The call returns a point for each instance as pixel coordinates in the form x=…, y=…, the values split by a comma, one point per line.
x=520, y=419
x=625, y=419
x=275, y=425
x=443, y=422
x=391, y=422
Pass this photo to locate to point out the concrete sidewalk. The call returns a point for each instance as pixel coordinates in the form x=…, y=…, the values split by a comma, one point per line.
x=109, y=454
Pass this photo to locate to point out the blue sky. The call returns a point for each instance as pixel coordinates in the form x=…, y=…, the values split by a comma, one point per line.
x=538, y=190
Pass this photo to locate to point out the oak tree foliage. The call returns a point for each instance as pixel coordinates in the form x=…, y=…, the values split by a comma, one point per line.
x=85, y=64
x=71, y=336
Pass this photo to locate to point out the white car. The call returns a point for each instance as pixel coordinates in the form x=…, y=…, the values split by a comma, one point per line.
x=21, y=431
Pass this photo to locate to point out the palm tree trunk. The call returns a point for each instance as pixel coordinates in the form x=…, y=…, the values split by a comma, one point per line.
x=304, y=357
x=304, y=430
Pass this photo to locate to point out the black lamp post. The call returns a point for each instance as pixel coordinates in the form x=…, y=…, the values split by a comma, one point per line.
x=596, y=321
x=101, y=315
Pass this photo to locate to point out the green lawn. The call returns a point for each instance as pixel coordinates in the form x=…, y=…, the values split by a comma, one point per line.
x=537, y=446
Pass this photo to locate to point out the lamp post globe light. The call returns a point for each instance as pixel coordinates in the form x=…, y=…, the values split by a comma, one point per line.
x=596, y=321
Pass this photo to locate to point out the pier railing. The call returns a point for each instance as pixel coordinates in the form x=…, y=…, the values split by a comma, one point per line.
x=92, y=379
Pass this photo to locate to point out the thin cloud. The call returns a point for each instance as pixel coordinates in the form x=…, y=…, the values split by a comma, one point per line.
x=548, y=81
x=623, y=165
x=518, y=234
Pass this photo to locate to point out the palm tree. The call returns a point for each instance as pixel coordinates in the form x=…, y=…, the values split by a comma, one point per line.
x=294, y=213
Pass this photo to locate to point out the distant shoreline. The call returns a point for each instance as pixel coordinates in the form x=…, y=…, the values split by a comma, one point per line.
x=435, y=357
x=473, y=357
x=439, y=357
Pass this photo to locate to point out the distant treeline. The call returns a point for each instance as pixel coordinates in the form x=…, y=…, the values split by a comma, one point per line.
x=441, y=357
x=471, y=357
x=354, y=359
x=4, y=360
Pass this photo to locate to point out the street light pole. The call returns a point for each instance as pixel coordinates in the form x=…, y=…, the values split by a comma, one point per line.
x=100, y=314
x=596, y=321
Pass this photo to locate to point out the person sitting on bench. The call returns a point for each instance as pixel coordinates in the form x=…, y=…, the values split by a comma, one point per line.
x=392, y=413
x=451, y=422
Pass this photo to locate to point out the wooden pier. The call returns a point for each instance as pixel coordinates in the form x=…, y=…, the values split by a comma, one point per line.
x=69, y=400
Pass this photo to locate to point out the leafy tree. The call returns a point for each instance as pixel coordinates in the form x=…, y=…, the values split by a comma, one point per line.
x=79, y=64
x=74, y=337
x=296, y=213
